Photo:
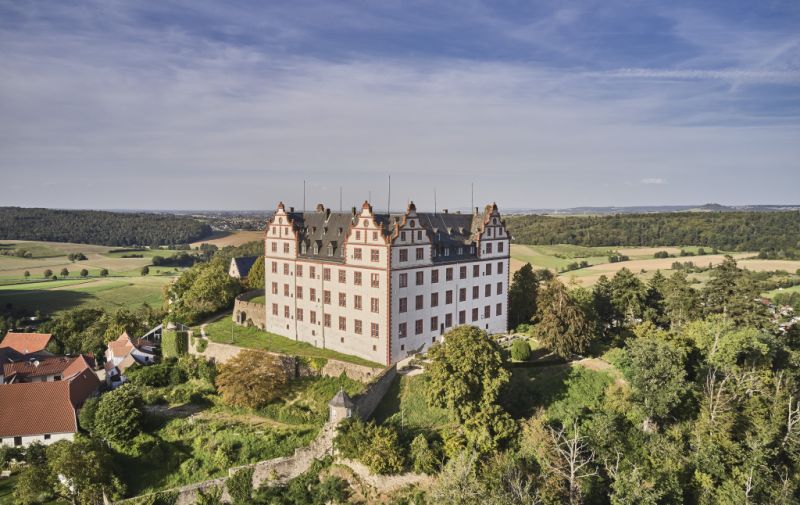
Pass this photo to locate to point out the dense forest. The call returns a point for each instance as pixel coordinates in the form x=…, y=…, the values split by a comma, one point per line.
x=99, y=227
x=732, y=231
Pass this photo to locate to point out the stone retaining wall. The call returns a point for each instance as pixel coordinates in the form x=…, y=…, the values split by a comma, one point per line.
x=246, y=313
x=368, y=401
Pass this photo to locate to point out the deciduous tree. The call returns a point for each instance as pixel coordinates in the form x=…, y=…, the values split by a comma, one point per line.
x=522, y=296
x=252, y=379
x=560, y=324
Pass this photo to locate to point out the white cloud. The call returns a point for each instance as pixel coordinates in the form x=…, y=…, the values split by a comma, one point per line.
x=654, y=180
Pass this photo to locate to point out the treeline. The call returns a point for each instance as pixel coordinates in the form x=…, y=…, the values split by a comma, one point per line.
x=771, y=232
x=99, y=227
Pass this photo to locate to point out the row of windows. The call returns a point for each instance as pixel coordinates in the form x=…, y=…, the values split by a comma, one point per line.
x=419, y=300
x=448, y=320
x=374, y=278
x=419, y=276
x=419, y=252
x=374, y=303
x=358, y=327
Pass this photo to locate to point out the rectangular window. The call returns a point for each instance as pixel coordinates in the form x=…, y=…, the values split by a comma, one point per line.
x=487, y=290
x=498, y=310
x=285, y=269
x=476, y=292
x=462, y=317
x=326, y=274
x=312, y=317
x=375, y=255
x=358, y=235
x=274, y=267
x=500, y=247
x=357, y=326
x=342, y=276
x=420, y=253
x=374, y=305
x=298, y=270
x=342, y=299
x=448, y=297
x=312, y=272
x=418, y=327
x=342, y=323
x=373, y=331
x=419, y=234
x=286, y=247
x=420, y=278
x=374, y=280
x=499, y=267
x=326, y=320
x=462, y=272
x=475, y=314
x=299, y=292
x=357, y=302
x=476, y=270
x=488, y=248
x=286, y=311
x=448, y=320
x=326, y=297
x=434, y=276
x=285, y=290
x=47, y=436
x=299, y=314
x=312, y=294
x=448, y=274
x=434, y=299
x=487, y=312
x=402, y=330
x=419, y=302
x=403, y=305
x=274, y=288
x=274, y=247
x=274, y=309
x=357, y=253
x=462, y=295
x=357, y=278
x=403, y=255
x=488, y=269
x=403, y=280
x=434, y=323
x=499, y=288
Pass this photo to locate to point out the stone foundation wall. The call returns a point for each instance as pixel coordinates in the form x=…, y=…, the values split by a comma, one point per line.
x=246, y=312
x=368, y=401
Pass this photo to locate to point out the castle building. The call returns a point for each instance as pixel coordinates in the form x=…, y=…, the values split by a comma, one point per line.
x=383, y=287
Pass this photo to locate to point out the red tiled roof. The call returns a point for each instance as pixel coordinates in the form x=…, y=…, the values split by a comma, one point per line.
x=36, y=408
x=121, y=346
x=38, y=367
x=82, y=386
x=26, y=343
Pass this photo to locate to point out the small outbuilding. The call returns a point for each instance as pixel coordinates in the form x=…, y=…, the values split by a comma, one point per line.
x=341, y=407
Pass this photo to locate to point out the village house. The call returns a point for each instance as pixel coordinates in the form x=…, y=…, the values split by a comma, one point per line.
x=123, y=352
x=26, y=343
x=45, y=412
x=32, y=368
x=380, y=286
x=240, y=267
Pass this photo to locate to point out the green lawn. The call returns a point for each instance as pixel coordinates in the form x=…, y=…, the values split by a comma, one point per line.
x=405, y=404
x=770, y=294
x=7, y=493
x=559, y=256
x=226, y=332
x=259, y=299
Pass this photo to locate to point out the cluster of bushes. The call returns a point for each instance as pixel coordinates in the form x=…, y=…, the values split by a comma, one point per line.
x=19, y=253
x=617, y=258
x=575, y=266
x=181, y=259
x=78, y=256
x=174, y=381
x=381, y=449
x=174, y=343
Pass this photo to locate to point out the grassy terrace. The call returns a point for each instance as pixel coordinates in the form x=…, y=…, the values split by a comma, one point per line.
x=225, y=332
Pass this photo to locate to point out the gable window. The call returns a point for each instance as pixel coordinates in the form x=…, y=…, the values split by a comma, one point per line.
x=274, y=267
x=303, y=248
x=499, y=267
x=500, y=247
x=375, y=255
x=499, y=288
x=274, y=247
x=489, y=248
x=419, y=234
x=403, y=236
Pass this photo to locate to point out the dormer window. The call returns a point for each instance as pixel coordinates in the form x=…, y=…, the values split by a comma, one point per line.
x=316, y=248
x=330, y=249
x=303, y=248
x=472, y=250
x=460, y=251
x=411, y=223
x=366, y=222
x=340, y=232
x=403, y=236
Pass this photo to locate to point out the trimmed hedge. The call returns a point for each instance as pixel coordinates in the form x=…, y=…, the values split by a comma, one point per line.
x=174, y=343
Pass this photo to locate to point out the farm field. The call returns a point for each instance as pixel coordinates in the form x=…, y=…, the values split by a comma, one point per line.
x=641, y=261
x=222, y=239
x=123, y=287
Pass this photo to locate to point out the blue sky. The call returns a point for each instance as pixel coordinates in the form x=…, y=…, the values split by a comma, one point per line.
x=197, y=104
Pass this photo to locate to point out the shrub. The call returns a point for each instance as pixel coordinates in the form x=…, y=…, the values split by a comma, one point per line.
x=119, y=414
x=523, y=328
x=88, y=413
x=240, y=486
x=201, y=344
x=424, y=458
x=520, y=350
x=378, y=447
x=252, y=379
x=174, y=343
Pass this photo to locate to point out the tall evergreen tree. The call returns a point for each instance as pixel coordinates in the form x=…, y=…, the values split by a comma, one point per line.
x=522, y=296
x=561, y=324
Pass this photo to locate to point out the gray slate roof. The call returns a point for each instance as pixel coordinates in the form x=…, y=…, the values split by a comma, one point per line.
x=342, y=400
x=244, y=264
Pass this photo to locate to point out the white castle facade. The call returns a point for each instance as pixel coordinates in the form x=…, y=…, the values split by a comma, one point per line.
x=383, y=287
